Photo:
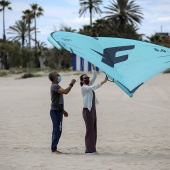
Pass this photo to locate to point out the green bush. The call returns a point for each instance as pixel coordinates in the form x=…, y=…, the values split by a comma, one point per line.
x=29, y=75
x=3, y=73
x=167, y=71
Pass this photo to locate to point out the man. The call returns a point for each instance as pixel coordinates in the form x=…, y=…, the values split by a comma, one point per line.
x=57, y=107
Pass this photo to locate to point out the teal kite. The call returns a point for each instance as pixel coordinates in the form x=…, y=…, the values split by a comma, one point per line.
x=129, y=63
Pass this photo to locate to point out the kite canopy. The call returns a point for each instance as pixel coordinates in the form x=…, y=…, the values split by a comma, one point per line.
x=129, y=63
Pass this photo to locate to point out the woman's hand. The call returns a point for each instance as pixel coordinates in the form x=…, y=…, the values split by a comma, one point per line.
x=105, y=80
x=93, y=67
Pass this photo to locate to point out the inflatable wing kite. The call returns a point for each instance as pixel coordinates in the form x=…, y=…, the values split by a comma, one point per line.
x=129, y=63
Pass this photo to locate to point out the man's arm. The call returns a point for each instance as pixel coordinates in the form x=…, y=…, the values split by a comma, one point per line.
x=94, y=87
x=64, y=91
x=67, y=90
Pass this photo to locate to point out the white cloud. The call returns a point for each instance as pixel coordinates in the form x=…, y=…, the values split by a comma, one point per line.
x=65, y=12
x=164, y=19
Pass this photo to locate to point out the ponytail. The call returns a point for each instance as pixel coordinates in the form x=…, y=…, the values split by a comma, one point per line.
x=81, y=79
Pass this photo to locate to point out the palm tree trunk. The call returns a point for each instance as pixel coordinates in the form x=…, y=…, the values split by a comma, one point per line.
x=90, y=17
x=35, y=34
x=29, y=42
x=36, y=53
x=29, y=36
x=5, y=62
x=4, y=37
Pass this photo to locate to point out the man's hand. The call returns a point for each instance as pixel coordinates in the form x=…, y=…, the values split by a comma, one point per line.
x=73, y=81
x=65, y=113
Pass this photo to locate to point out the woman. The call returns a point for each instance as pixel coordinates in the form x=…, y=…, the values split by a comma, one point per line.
x=89, y=109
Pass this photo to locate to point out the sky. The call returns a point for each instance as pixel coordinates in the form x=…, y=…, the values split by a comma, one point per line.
x=58, y=13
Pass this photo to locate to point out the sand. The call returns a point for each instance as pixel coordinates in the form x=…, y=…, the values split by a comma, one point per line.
x=133, y=133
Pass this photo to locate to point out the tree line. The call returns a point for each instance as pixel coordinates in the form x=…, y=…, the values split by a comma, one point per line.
x=122, y=19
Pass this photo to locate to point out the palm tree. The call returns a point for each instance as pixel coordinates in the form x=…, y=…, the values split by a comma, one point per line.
x=42, y=53
x=130, y=32
x=28, y=16
x=4, y=4
x=41, y=45
x=124, y=12
x=160, y=39
x=37, y=12
x=100, y=28
x=86, y=30
x=104, y=28
x=92, y=6
x=19, y=31
x=68, y=29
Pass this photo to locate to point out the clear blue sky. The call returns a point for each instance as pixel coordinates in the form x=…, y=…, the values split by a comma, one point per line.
x=65, y=12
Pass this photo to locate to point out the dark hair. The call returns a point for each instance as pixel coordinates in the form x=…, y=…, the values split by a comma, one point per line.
x=52, y=75
x=81, y=79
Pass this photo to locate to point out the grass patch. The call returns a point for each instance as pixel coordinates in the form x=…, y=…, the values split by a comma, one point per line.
x=77, y=73
x=36, y=70
x=29, y=75
x=3, y=73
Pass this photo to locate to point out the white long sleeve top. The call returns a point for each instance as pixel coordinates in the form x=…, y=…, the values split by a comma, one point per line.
x=87, y=92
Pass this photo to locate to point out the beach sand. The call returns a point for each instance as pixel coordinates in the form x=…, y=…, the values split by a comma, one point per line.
x=133, y=133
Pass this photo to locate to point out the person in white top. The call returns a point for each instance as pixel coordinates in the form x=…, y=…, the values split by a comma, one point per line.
x=89, y=109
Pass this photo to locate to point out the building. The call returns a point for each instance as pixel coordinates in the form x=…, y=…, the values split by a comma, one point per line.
x=79, y=64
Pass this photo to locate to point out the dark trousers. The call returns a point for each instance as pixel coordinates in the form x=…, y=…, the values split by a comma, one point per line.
x=91, y=129
x=56, y=117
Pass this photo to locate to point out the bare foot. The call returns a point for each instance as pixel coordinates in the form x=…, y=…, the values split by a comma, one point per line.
x=57, y=152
